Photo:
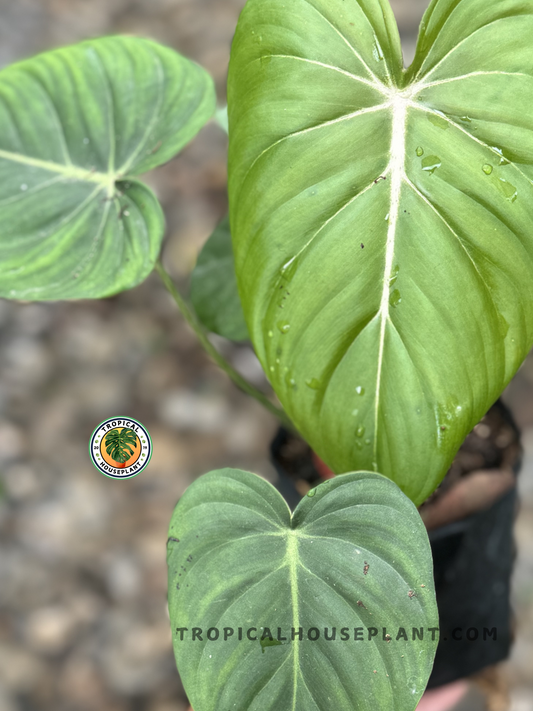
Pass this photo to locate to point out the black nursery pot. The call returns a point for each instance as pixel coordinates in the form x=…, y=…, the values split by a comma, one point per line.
x=473, y=560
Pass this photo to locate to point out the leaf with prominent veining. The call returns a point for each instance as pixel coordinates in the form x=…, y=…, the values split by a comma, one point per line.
x=383, y=221
x=354, y=557
x=76, y=126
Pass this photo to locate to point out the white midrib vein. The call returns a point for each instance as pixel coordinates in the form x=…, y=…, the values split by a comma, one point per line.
x=292, y=560
x=399, y=106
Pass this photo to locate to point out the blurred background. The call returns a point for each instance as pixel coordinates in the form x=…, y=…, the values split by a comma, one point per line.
x=83, y=617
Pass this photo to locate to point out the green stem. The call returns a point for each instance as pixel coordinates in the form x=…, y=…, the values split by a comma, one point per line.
x=201, y=333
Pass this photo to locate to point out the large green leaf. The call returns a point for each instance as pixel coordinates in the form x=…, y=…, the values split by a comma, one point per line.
x=354, y=554
x=76, y=125
x=214, y=293
x=383, y=221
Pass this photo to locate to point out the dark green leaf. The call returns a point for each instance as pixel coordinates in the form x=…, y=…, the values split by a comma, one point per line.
x=355, y=554
x=214, y=293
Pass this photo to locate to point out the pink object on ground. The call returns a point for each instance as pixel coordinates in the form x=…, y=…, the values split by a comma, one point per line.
x=443, y=698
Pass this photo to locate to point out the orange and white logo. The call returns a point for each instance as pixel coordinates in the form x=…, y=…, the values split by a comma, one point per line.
x=120, y=447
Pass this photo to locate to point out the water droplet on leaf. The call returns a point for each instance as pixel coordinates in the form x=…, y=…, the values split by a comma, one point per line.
x=431, y=163
x=360, y=431
x=394, y=275
x=507, y=189
x=419, y=151
x=284, y=326
x=503, y=159
x=289, y=380
x=504, y=325
x=269, y=642
x=377, y=51
x=311, y=493
x=288, y=270
x=313, y=383
x=360, y=390
x=487, y=169
x=439, y=119
x=395, y=298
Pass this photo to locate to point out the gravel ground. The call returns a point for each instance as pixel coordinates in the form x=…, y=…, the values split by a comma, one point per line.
x=83, y=619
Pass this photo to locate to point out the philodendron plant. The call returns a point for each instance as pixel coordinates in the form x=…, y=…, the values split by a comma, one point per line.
x=381, y=263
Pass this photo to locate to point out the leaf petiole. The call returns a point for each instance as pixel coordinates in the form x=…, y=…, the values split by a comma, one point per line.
x=222, y=363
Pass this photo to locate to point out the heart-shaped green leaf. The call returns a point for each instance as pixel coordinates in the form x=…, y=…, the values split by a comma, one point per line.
x=75, y=125
x=353, y=557
x=383, y=221
x=214, y=293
